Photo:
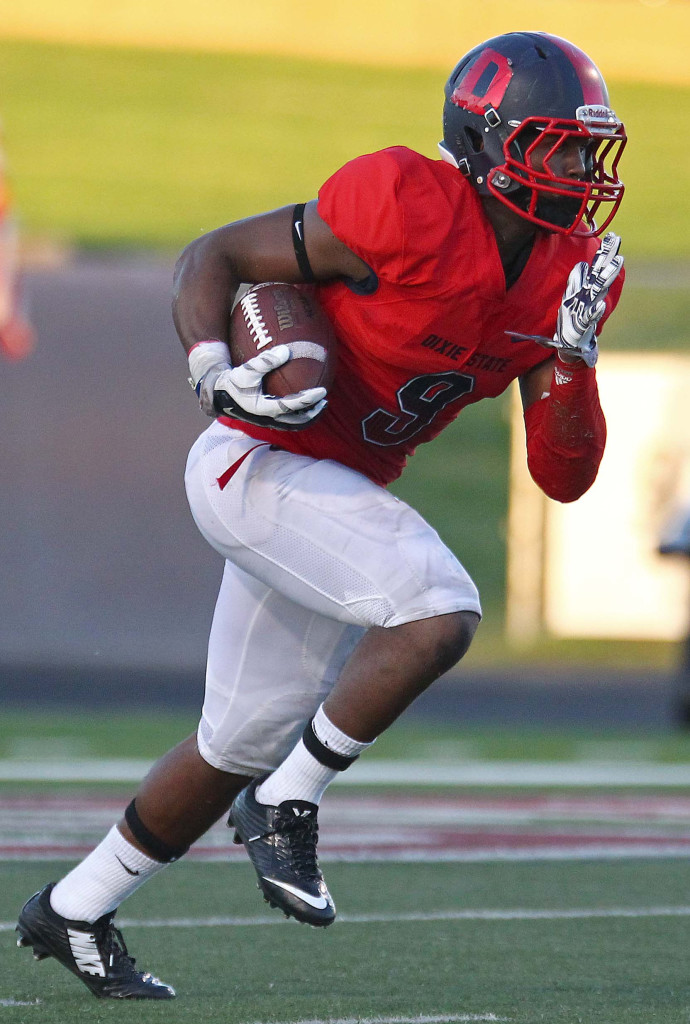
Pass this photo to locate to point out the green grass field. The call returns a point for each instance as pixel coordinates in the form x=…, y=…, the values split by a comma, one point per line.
x=41, y=734
x=588, y=970
x=118, y=147
x=563, y=941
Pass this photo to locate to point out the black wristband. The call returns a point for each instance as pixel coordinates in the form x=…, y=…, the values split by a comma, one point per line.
x=298, y=244
x=323, y=754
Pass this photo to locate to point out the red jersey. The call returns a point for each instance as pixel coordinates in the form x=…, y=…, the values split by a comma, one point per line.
x=431, y=338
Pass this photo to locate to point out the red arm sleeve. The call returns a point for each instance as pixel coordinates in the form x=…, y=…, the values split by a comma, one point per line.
x=566, y=433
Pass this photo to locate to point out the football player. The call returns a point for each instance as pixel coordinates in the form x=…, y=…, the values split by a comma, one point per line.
x=445, y=281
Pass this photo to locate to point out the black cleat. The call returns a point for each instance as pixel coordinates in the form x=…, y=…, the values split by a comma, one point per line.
x=281, y=843
x=96, y=952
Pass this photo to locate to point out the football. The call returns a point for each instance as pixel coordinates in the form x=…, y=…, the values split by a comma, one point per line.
x=273, y=314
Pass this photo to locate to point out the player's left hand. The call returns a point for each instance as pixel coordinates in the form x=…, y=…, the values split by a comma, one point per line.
x=584, y=301
x=583, y=305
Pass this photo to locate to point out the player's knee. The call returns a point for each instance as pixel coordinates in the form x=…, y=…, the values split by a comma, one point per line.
x=449, y=638
x=470, y=622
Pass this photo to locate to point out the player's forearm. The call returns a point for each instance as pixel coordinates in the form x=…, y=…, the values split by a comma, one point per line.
x=566, y=433
x=204, y=286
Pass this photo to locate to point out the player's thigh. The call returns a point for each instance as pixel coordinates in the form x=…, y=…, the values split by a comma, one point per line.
x=322, y=534
x=270, y=664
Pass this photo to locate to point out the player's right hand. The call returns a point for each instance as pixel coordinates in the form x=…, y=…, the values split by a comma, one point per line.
x=237, y=392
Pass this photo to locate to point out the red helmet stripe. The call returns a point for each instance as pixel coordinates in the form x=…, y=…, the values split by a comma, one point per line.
x=593, y=89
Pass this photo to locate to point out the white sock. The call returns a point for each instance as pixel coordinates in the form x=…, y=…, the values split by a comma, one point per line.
x=301, y=776
x=110, y=873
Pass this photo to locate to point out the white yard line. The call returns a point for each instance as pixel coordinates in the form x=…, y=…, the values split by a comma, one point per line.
x=389, y=773
x=572, y=914
x=461, y=1018
x=490, y=855
x=117, y=769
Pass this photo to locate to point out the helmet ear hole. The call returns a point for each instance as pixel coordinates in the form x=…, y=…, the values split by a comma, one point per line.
x=474, y=139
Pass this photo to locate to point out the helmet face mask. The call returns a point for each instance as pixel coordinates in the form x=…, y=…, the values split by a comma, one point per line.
x=516, y=107
x=554, y=201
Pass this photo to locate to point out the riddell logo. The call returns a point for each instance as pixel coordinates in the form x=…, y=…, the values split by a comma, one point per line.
x=594, y=113
x=599, y=120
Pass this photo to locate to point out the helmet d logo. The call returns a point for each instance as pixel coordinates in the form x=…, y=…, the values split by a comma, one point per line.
x=485, y=83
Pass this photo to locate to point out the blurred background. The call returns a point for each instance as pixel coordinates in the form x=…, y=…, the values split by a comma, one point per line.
x=132, y=127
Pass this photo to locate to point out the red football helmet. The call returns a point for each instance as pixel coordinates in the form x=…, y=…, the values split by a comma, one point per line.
x=509, y=95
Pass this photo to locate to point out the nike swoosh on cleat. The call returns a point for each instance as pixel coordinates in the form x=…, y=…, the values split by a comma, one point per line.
x=318, y=902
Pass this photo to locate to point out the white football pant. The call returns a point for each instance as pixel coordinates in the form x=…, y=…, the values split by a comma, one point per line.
x=315, y=554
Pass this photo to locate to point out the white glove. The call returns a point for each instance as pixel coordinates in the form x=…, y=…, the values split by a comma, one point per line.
x=236, y=392
x=583, y=303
